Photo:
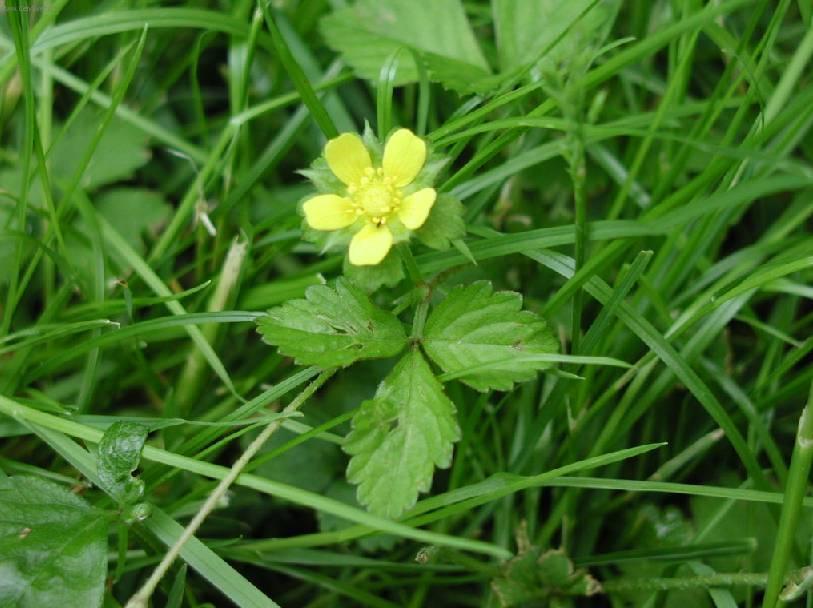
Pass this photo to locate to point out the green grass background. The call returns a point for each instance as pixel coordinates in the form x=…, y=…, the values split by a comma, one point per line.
x=649, y=195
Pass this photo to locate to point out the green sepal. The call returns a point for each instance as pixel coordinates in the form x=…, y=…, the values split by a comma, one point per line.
x=388, y=273
x=444, y=224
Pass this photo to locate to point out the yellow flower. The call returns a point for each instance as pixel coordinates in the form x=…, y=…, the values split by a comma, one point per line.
x=374, y=195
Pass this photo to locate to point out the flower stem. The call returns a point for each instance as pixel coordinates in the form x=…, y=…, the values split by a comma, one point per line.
x=666, y=584
x=419, y=320
x=411, y=265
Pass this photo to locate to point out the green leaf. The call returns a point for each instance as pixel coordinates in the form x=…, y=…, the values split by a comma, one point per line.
x=195, y=553
x=322, y=460
x=134, y=212
x=369, y=31
x=119, y=454
x=474, y=327
x=53, y=546
x=121, y=150
x=332, y=327
x=399, y=437
x=444, y=224
x=534, y=576
x=525, y=29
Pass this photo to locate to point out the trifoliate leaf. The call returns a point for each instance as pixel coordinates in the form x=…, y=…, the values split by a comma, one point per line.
x=399, y=437
x=487, y=333
x=119, y=454
x=332, y=326
x=547, y=578
x=53, y=546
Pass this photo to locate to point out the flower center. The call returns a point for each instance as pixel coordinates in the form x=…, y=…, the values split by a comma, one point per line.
x=375, y=196
x=376, y=199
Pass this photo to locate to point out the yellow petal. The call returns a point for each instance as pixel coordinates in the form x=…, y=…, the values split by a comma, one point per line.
x=328, y=212
x=370, y=245
x=347, y=157
x=416, y=207
x=404, y=156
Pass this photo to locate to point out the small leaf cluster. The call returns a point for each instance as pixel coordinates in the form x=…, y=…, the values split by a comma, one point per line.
x=408, y=428
x=119, y=453
x=542, y=578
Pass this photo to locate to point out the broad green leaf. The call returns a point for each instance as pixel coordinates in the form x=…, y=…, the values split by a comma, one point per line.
x=11, y=180
x=322, y=460
x=53, y=546
x=534, y=576
x=526, y=28
x=399, y=437
x=134, y=212
x=369, y=31
x=332, y=326
x=119, y=455
x=121, y=150
x=474, y=327
x=194, y=552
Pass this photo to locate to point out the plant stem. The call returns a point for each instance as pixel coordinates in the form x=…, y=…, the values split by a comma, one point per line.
x=795, y=489
x=419, y=320
x=665, y=584
x=579, y=177
x=142, y=597
x=413, y=272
